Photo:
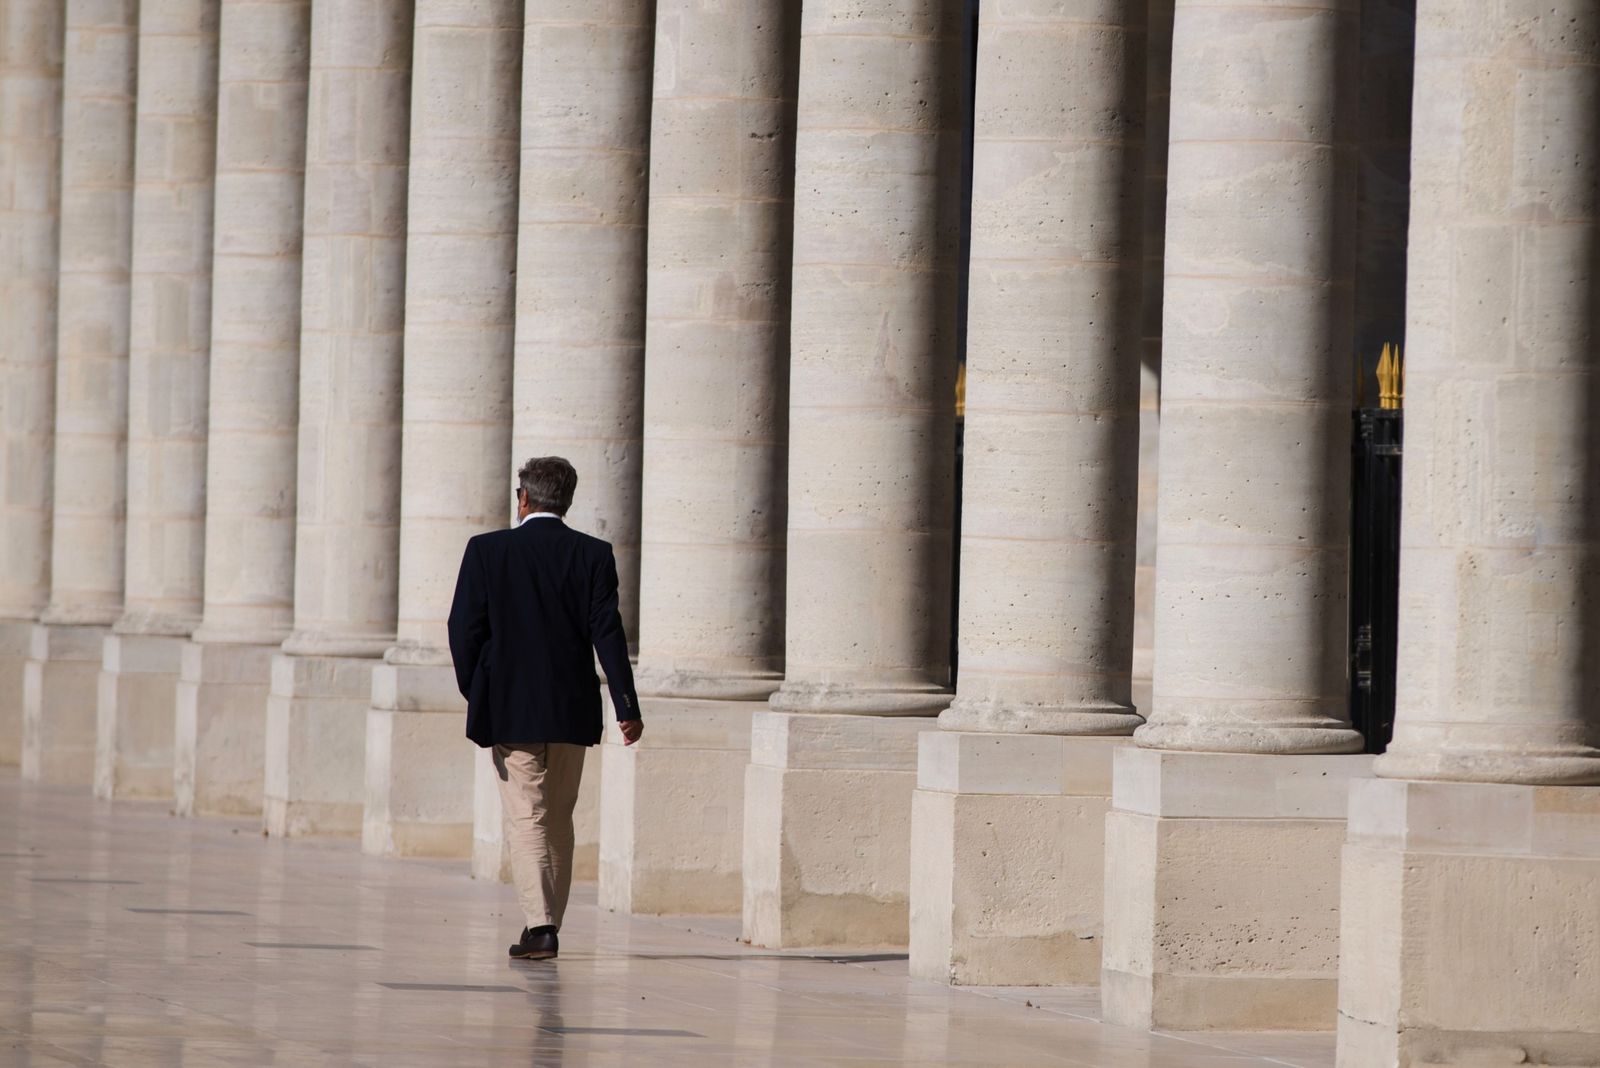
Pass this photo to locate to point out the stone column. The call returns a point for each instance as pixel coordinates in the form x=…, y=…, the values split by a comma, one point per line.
x=579, y=376
x=91, y=418
x=250, y=457
x=1048, y=511
x=30, y=146
x=1203, y=890
x=352, y=311
x=715, y=431
x=1487, y=819
x=871, y=456
x=461, y=247
x=168, y=354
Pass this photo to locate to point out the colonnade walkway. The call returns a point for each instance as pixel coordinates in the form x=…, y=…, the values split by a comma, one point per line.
x=130, y=937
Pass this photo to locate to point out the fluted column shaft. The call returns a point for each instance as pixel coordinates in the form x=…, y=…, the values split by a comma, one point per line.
x=717, y=344
x=1255, y=422
x=460, y=302
x=1052, y=419
x=30, y=147
x=255, y=326
x=581, y=260
x=99, y=80
x=1499, y=643
x=873, y=367
x=170, y=322
x=352, y=313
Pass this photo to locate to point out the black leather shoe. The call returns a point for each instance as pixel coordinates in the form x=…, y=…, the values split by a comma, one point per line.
x=537, y=943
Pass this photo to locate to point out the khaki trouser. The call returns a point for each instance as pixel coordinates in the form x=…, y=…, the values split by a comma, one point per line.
x=538, y=789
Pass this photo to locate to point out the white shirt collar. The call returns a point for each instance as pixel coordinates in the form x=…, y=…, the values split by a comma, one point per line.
x=538, y=515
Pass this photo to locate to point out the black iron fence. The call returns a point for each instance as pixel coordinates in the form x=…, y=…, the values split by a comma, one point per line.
x=1375, y=552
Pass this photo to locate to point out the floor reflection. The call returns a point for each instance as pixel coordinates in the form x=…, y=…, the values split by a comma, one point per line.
x=132, y=938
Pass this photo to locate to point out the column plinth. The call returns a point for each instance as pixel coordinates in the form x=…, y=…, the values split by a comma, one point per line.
x=135, y=715
x=1515, y=866
x=1222, y=890
x=315, y=745
x=818, y=872
x=59, y=686
x=1007, y=858
x=672, y=809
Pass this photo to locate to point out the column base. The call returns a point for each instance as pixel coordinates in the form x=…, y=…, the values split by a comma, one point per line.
x=16, y=637
x=491, y=860
x=1222, y=890
x=1470, y=929
x=219, y=738
x=827, y=829
x=672, y=810
x=136, y=705
x=314, y=778
x=419, y=765
x=60, y=687
x=1007, y=858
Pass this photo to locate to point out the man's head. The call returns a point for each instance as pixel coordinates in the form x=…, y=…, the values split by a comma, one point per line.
x=545, y=484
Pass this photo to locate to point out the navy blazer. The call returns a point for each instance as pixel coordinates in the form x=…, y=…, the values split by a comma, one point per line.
x=531, y=602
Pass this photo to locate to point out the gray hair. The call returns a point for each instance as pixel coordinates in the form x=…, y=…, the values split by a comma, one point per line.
x=549, y=482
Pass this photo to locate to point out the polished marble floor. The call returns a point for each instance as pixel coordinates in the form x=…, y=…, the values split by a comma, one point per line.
x=133, y=938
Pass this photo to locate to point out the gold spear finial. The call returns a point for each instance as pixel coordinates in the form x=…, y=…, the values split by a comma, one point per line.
x=1388, y=378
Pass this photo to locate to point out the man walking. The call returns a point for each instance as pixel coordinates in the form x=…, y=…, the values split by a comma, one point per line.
x=531, y=602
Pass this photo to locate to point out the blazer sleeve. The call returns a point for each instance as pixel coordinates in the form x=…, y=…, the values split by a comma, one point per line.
x=469, y=617
x=610, y=643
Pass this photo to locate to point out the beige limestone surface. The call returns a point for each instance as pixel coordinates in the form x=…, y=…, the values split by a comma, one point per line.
x=255, y=324
x=1499, y=639
x=1007, y=836
x=219, y=730
x=418, y=796
x=1050, y=455
x=89, y=497
x=461, y=238
x=579, y=379
x=315, y=745
x=1222, y=889
x=827, y=829
x=170, y=318
x=352, y=311
x=136, y=715
x=58, y=737
x=461, y=241
x=31, y=34
x=1250, y=621
x=672, y=809
x=91, y=418
x=1470, y=929
x=347, y=514
x=717, y=348
x=873, y=362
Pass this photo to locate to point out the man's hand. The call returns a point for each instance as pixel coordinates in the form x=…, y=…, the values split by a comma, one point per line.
x=631, y=730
